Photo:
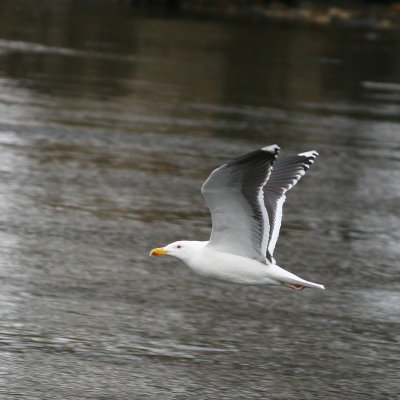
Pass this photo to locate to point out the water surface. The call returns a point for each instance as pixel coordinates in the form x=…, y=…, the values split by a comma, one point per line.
x=110, y=120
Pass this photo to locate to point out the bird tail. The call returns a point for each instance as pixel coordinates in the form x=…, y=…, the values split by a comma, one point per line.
x=286, y=277
x=313, y=285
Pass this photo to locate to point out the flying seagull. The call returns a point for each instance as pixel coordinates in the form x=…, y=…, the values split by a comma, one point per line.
x=245, y=197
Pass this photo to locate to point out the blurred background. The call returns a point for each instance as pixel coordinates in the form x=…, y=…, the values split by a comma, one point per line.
x=112, y=114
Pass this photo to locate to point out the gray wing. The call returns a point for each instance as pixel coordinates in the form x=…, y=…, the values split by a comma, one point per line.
x=234, y=195
x=285, y=174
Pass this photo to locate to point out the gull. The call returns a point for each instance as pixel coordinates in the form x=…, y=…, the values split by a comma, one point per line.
x=245, y=197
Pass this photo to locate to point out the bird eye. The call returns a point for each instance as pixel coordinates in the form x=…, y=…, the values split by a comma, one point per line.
x=179, y=246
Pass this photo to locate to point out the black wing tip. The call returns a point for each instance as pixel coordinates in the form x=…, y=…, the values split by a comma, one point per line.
x=268, y=153
x=309, y=158
x=272, y=149
x=312, y=154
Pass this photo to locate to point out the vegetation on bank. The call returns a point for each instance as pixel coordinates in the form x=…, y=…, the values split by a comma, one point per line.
x=368, y=13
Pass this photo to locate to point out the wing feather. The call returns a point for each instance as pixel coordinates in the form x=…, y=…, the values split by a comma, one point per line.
x=285, y=174
x=235, y=197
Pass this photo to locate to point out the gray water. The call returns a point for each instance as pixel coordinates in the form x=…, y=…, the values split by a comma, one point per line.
x=110, y=120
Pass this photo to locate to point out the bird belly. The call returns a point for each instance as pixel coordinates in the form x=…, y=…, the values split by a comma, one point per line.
x=232, y=268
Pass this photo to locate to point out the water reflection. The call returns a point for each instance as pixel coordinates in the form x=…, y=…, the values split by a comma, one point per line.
x=110, y=122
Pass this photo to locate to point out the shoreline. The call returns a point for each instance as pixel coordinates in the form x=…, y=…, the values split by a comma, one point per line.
x=374, y=16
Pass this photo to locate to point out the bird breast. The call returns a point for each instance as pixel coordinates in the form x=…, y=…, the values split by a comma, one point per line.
x=229, y=268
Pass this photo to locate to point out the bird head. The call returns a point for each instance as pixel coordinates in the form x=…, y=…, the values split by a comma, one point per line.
x=181, y=249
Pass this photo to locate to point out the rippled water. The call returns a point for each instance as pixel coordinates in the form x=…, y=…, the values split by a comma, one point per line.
x=110, y=120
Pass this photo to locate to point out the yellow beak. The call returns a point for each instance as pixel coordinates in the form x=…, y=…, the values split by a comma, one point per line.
x=158, y=251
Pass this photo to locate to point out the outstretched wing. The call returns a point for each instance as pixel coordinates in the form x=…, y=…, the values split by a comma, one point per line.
x=285, y=174
x=235, y=197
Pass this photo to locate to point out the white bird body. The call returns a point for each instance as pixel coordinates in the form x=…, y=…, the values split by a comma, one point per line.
x=245, y=197
x=210, y=263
